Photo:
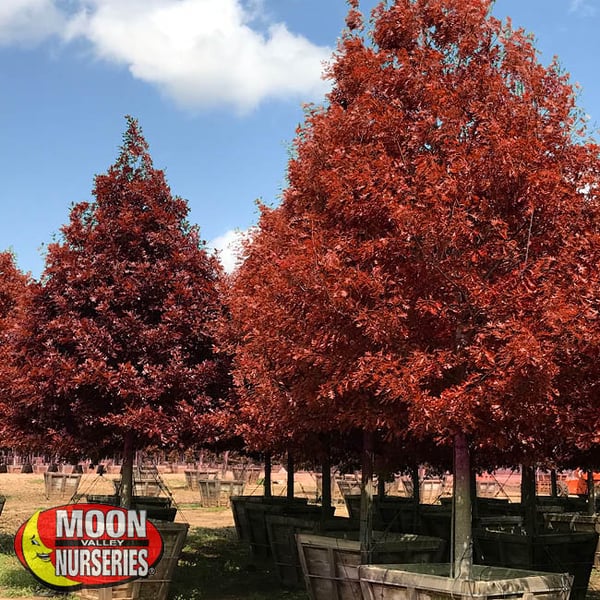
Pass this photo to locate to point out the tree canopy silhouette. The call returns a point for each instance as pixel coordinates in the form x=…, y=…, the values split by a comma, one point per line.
x=116, y=350
x=432, y=253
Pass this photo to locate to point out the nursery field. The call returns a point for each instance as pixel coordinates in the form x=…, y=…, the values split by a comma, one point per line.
x=213, y=565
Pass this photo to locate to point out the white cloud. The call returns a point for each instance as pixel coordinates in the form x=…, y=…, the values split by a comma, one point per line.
x=200, y=53
x=27, y=22
x=583, y=8
x=228, y=247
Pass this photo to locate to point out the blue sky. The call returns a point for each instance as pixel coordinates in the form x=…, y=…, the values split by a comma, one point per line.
x=217, y=86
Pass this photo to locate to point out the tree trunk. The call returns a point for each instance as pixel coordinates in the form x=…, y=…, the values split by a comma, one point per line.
x=473, y=490
x=290, y=475
x=461, y=517
x=225, y=463
x=591, y=505
x=414, y=473
x=366, y=499
x=326, y=483
x=553, y=484
x=528, y=499
x=126, y=489
x=267, y=481
x=381, y=486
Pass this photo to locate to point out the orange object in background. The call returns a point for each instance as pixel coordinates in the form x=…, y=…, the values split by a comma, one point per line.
x=578, y=483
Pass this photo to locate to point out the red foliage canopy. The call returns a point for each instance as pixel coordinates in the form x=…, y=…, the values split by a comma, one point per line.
x=119, y=334
x=13, y=292
x=13, y=301
x=418, y=274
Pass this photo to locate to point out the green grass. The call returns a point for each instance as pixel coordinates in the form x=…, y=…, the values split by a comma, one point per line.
x=16, y=581
x=208, y=509
x=215, y=566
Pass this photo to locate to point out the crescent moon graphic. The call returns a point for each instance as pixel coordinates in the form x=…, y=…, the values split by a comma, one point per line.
x=38, y=556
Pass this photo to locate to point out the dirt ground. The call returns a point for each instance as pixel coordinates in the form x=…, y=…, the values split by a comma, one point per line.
x=25, y=493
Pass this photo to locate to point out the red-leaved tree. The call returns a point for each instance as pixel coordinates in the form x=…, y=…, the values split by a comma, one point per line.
x=415, y=277
x=13, y=292
x=14, y=286
x=116, y=351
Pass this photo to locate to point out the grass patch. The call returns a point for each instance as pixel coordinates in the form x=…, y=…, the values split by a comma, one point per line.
x=15, y=580
x=208, y=509
x=215, y=566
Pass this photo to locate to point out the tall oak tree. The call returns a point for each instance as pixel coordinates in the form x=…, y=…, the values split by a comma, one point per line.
x=416, y=276
x=117, y=351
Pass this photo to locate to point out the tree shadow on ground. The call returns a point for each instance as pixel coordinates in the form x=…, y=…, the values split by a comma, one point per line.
x=214, y=565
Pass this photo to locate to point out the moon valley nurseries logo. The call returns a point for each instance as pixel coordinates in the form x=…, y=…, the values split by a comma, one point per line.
x=88, y=545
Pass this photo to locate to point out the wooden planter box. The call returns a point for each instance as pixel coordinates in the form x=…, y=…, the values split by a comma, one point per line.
x=551, y=552
x=330, y=564
x=61, y=485
x=568, y=504
x=159, y=513
x=240, y=514
x=431, y=490
x=396, y=514
x=141, y=487
x=352, y=502
x=257, y=513
x=156, y=508
x=435, y=520
x=210, y=492
x=252, y=475
x=282, y=530
x=492, y=506
x=111, y=499
x=238, y=470
x=156, y=585
x=245, y=472
x=564, y=522
x=230, y=488
x=334, y=489
x=390, y=513
x=349, y=485
x=217, y=492
x=191, y=479
x=146, y=487
x=208, y=473
x=432, y=582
